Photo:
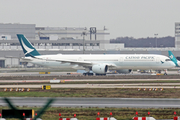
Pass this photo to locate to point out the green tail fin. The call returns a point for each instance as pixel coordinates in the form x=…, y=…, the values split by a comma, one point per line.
x=27, y=47
x=173, y=58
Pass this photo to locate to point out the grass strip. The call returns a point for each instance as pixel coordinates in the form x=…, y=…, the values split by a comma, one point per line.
x=94, y=92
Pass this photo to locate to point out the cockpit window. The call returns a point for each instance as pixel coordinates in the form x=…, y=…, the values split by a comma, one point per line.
x=168, y=59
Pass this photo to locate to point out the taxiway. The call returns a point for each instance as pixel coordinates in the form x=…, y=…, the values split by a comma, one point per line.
x=97, y=102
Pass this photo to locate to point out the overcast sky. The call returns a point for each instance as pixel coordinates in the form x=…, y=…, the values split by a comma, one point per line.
x=133, y=18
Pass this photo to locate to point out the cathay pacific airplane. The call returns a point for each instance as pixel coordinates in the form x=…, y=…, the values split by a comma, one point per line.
x=98, y=63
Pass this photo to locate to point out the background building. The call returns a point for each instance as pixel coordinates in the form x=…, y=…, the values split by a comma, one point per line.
x=177, y=34
x=8, y=31
x=63, y=33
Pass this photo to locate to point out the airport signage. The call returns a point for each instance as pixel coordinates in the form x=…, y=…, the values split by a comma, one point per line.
x=55, y=81
x=46, y=87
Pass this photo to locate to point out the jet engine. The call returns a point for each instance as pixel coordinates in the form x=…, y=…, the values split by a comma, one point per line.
x=100, y=68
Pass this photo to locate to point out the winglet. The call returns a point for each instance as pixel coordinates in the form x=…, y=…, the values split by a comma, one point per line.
x=173, y=58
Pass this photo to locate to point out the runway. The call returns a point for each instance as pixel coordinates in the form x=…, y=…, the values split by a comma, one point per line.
x=85, y=80
x=94, y=86
x=6, y=73
x=97, y=102
x=78, y=80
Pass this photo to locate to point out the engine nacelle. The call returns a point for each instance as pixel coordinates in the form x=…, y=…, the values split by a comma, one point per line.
x=100, y=68
x=125, y=71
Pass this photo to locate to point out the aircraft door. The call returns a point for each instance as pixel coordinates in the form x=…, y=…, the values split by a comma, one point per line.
x=80, y=59
x=121, y=59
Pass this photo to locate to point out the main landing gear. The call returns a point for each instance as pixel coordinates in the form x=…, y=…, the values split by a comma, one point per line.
x=100, y=74
x=91, y=74
x=88, y=74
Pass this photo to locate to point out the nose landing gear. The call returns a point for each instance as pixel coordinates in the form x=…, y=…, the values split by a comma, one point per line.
x=165, y=72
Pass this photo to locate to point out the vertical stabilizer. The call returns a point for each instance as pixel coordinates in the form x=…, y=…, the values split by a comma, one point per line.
x=27, y=47
x=173, y=58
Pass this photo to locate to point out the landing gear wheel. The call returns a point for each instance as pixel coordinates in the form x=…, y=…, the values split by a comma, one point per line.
x=88, y=74
x=100, y=74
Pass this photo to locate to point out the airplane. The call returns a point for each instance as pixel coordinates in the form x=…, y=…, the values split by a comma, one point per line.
x=173, y=58
x=97, y=63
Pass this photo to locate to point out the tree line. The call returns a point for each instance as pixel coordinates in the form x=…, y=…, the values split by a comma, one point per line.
x=145, y=42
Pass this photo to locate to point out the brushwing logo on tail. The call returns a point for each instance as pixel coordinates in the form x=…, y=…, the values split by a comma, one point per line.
x=28, y=50
x=171, y=56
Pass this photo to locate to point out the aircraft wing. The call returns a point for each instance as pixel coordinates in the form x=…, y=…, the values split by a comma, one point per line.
x=26, y=59
x=12, y=57
x=22, y=58
x=80, y=63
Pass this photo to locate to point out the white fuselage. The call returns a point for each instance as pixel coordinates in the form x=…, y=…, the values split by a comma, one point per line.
x=121, y=61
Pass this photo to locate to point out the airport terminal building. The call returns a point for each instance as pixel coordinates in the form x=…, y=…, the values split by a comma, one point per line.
x=177, y=34
x=66, y=40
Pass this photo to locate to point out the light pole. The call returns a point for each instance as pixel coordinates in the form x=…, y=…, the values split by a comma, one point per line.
x=156, y=39
x=83, y=34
